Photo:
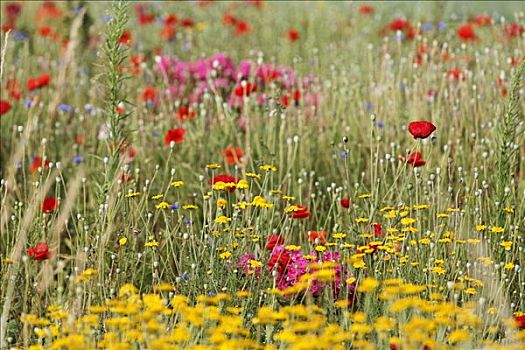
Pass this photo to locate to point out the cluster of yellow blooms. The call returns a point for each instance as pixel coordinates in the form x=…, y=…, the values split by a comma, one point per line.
x=160, y=321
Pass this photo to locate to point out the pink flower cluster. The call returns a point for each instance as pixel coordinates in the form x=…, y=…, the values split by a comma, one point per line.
x=189, y=80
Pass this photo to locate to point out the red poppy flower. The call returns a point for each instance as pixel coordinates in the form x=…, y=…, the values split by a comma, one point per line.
x=513, y=30
x=366, y=10
x=39, y=82
x=174, y=135
x=399, y=24
x=416, y=159
x=520, y=321
x=293, y=35
x=317, y=237
x=301, y=213
x=223, y=178
x=49, y=205
x=48, y=10
x=37, y=163
x=274, y=240
x=12, y=10
x=45, y=31
x=345, y=202
x=466, y=32
x=125, y=38
x=185, y=112
x=4, y=107
x=149, y=94
x=233, y=155
x=146, y=18
x=282, y=260
x=297, y=96
x=421, y=129
x=39, y=252
x=170, y=19
x=245, y=90
x=483, y=20
x=229, y=20
x=455, y=73
x=124, y=177
x=13, y=87
x=187, y=22
x=226, y=179
x=241, y=28
x=168, y=32
x=378, y=230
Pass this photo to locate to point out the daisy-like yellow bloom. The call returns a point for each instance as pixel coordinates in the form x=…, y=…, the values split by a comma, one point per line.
x=254, y=263
x=320, y=248
x=260, y=202
x=201, y=26
x=509, y=266
x=253, y=175
x=339, y=235
x=442, y=215
x=133, y=194
x=506, y=244
x=367, y=285
x=292, y=247
x=162, y=205
x=189, y=206
x=222, y=219
x=439, y=270
x=157, y=196
x=390, y=215
x=122, y=241
x=8, y=261
x=288, y=198
x=365, y=195
x=221, y=203
x=359, y=220
x=268, y=167
x=497, y=229
x=177, y=183
x=508, y=210
x=152, y=243
x=292, y=208
x=242, y=184
x=213, y=166
x=471, y=291
x=481, y=227
x=421, y=206
x=407, y=221
x=225, y=255
x=86, y=275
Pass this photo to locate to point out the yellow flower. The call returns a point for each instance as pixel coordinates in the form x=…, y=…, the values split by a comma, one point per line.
x=189, y=206
x=497, y=229
x=221, y=203
x=201, y=26
x=458, y=335
x=242, y=184
x=152, y=243
x=442, y=215
x=253, y=175
x=320, y=248
x=162, y=205
x=268, y=167
x=254, y=263
x=471, y=291
x=439, y=270
x=480, y=227
x=222, y=220
x=157, y=196
x=506, y=244
x=213, y=166
x=260, y=202
x=509, y=266
x=358, y=220
x=86, y=275
x=177, y=183
x=122, y=241
x=509, y=210
x=132, y=194
x=339, y=235
x=292, y=247
x=225, y=255
x=8, y=261
x=367, y=285
x=366, y=195
x=407, y=221
x=288, y=198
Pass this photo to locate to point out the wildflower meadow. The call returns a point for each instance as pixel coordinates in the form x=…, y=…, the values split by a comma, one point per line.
x=262, y=175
